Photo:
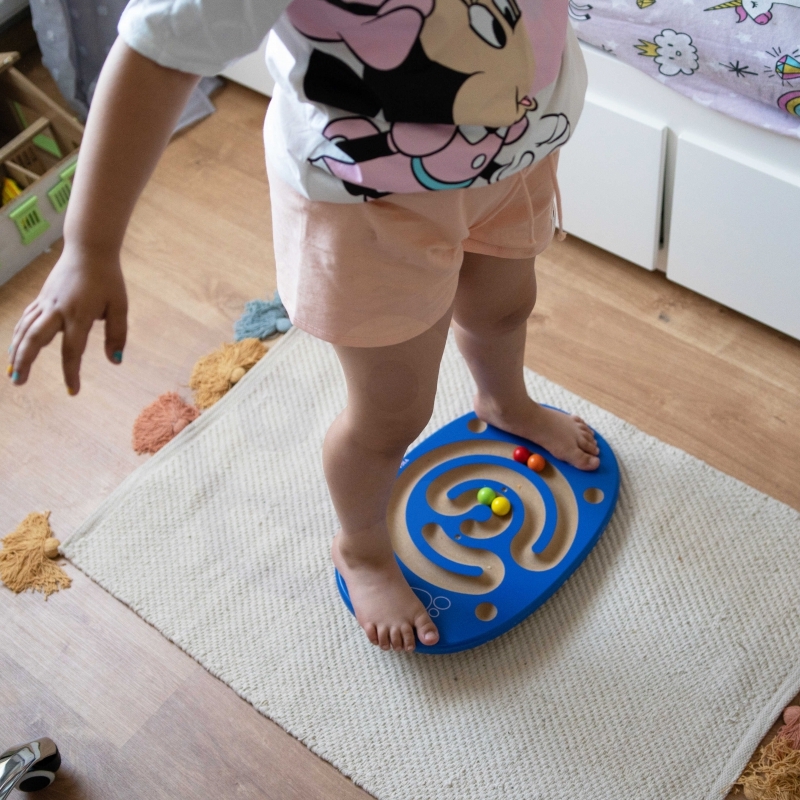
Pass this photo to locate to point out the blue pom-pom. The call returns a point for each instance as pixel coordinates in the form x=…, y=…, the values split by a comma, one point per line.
x=261, y=319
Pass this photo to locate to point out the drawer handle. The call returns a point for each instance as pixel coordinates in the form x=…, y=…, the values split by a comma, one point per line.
x=29, y=220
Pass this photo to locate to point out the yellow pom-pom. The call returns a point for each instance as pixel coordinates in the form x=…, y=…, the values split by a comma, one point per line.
x=501, y=506
x=25, y=558
x=214, y=374
x=774, y=774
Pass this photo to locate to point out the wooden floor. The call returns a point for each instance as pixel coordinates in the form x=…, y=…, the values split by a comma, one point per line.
x=133, y=715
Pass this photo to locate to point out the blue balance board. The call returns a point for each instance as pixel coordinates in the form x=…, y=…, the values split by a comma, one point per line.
x=468, y=605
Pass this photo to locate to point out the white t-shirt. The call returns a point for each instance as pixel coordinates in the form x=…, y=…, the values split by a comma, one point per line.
x=381, y=96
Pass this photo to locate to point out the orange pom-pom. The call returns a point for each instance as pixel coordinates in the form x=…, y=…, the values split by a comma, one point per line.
x=161, y=421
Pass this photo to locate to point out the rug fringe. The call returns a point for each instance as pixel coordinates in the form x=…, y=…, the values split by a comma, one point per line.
x=775, y=775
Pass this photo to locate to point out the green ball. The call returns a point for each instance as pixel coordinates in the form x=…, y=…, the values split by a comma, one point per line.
x=486, y=495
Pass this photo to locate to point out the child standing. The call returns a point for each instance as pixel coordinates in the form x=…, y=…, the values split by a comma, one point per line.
x=411, y=149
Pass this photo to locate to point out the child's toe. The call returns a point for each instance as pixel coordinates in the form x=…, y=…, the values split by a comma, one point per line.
x=383, y=637
x=588, y=445
x=426, y=630
x=408, y=636
x=396, y=637
x=372, y=632
x=587, y=462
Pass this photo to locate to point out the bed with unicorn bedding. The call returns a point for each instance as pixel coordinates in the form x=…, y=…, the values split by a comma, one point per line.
x=740, y=57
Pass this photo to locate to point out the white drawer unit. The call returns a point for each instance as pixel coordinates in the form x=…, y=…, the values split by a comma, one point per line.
x=734, y=235
x=611, y=176
x=38, y=152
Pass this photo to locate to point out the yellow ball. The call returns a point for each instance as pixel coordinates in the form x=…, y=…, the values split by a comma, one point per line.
x=501, y=506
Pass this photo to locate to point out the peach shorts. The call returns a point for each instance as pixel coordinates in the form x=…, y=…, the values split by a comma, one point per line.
x=381, y=272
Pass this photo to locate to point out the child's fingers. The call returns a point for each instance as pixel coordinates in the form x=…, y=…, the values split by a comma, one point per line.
x=72, y=346
x=116, y=330
x=38, y=335
x=31, y=314
x=30, y=308
x=26, y=314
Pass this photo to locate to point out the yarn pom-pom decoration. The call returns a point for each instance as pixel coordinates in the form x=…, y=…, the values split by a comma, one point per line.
x=214, y=374
x=791, y=729
x=776, y=773
x=161, y=421
x=261, y=319
x=26, y=557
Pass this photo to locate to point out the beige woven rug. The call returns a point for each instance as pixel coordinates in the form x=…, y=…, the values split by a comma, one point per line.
x=651, y=675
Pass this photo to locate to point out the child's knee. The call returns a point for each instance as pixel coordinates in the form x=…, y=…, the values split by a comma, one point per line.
x=489, y=321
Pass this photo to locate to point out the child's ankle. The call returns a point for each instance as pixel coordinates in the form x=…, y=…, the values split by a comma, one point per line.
x=371, y=547
x=495, y=408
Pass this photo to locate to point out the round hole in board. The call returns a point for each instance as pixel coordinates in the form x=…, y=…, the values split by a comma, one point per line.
x=457, y=536
x=486, y=612
x=593, y=495
x=476, y=425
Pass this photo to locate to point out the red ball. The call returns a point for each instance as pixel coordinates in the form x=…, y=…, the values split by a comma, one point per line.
x=536, y=462
x=522, y=454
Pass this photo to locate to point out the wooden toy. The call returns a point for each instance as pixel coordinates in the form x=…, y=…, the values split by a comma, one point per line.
x=479, y=573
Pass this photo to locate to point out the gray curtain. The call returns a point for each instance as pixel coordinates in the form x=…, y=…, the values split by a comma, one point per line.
x=75, y=37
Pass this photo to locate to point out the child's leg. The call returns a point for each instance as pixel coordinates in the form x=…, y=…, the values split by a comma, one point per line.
x=494, y=300
x=390, y=394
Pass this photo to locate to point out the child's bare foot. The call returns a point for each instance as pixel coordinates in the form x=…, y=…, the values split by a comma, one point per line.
x=385, y=607
x=566, y=436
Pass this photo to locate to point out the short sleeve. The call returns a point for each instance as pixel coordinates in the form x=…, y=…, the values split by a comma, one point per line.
x=198, y=36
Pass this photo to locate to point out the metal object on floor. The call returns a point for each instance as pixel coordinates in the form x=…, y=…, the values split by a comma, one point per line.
x=28, y=767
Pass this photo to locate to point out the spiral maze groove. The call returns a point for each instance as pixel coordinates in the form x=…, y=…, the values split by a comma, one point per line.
x=479, y=574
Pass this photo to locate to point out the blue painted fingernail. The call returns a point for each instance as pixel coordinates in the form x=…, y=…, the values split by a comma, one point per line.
x=116, y=356
x=14, y=376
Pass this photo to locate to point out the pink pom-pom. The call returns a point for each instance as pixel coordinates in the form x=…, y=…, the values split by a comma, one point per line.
x=161, y=421
x=791, y=730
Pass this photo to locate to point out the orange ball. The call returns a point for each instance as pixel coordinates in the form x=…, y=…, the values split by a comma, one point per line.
x=536, y=462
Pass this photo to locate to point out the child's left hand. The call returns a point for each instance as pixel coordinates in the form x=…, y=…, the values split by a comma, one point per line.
x=84, y=286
